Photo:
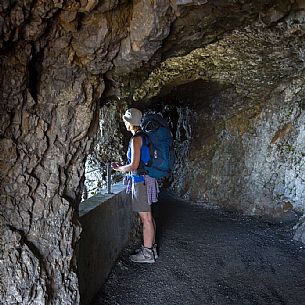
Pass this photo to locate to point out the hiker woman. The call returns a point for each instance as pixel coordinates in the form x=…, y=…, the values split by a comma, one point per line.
x=141, y=185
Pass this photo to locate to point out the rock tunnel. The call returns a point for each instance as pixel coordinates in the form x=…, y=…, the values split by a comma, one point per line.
x=228, y=75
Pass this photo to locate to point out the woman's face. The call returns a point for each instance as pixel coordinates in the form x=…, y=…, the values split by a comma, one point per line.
x=127, y=125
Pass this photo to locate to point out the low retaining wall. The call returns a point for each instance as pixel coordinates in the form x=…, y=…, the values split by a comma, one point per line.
x=107, y=224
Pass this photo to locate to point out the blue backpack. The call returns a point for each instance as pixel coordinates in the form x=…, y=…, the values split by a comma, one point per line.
x=160, y=142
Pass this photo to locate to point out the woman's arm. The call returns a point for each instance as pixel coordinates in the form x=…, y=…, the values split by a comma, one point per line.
x=136, y=144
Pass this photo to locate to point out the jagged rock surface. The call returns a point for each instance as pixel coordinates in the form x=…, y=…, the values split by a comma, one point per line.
x=110, y=147
x=245, y=157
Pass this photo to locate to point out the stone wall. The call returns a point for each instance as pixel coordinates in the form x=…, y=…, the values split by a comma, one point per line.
x=107, y=224
x=46, y=131
x=111, y=141
x=248, y=158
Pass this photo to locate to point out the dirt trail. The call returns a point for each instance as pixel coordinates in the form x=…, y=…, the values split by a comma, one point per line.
x=211, y=257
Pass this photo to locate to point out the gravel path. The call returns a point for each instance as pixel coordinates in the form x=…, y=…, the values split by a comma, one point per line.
x=211, y=257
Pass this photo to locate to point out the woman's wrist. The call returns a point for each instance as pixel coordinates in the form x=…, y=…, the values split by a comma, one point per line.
x=123, y=168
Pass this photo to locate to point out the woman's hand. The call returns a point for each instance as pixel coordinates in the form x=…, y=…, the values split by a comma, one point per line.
x=135, y=157
x=115, y=165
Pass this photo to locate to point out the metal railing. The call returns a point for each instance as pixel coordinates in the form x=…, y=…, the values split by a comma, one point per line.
x=104, y=184
x=108, y=169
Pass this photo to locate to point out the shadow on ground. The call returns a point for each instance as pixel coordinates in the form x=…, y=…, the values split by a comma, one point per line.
x=211, y=257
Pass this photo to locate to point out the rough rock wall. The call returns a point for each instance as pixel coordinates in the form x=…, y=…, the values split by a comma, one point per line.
x=250, y=157
x=110, y=146
x=43, y=132
x=48, y=118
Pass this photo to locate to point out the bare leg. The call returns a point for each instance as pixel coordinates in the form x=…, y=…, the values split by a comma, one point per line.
x=148, y=228
x=155, y=229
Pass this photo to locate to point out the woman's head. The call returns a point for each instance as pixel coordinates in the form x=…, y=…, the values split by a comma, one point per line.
x=132, y=118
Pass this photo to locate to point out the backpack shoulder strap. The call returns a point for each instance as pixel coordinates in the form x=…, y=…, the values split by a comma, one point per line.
x=142, y=134
x=145, y=141
x=137, y=134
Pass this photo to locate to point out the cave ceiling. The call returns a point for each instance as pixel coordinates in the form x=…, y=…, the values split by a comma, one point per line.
x=251, y=44
x=254, y=60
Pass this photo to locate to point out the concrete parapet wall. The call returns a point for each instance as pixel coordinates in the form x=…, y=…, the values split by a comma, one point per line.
x=107, y=224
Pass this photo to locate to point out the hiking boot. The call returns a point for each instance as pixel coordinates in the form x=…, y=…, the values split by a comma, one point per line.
x=154, y=248
x=145, y=255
